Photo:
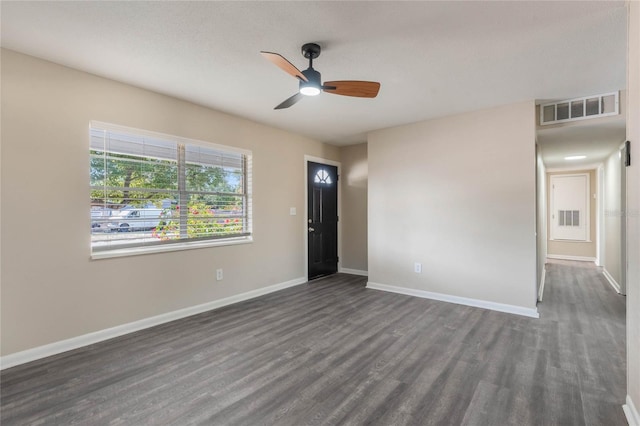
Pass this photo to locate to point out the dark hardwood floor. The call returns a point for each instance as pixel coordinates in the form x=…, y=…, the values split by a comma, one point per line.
x=332, y=352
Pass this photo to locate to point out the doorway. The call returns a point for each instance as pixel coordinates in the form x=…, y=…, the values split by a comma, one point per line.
x=322, y=219
x=570, y=207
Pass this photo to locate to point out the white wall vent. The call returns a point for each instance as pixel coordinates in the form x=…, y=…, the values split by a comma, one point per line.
x=579, y=109
x=568, y=217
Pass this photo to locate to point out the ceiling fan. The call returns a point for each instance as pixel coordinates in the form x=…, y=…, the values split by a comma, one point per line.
x=310, y=83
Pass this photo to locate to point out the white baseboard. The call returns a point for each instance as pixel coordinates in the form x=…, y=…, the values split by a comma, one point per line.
x=500, y=307
x=354, y=272
x=613, y=282
x=578, y=258
x=542, y=280
x=630, y=411
x=55, y=348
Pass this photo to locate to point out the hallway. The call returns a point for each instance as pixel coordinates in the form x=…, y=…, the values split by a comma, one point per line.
x=584, y=329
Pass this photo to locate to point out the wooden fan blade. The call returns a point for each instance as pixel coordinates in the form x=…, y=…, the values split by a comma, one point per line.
x=360, y=89
x=292, y=100
x=284, y=65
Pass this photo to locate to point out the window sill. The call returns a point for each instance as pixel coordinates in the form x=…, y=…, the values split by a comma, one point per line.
x=135, y=251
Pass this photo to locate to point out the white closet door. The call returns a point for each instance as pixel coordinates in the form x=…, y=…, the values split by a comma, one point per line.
x=570, y=207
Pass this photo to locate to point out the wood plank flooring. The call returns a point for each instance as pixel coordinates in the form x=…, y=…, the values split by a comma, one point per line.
x=334, y=353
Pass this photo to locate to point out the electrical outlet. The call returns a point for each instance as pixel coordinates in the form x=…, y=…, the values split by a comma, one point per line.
x=219, y=275
x=417, y=268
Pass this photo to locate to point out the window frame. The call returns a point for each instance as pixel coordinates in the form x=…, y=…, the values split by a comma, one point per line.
x=245, y=237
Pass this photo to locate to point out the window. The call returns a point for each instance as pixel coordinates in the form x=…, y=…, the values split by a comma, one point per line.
x=153, y=192
x=323, y=177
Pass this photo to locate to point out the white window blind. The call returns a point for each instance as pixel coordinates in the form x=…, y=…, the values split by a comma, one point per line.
x=150, y=190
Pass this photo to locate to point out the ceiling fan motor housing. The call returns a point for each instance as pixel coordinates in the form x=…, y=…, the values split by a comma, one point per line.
x=314, y=79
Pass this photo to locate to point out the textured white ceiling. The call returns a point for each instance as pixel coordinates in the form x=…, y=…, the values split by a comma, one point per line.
x=432, y=58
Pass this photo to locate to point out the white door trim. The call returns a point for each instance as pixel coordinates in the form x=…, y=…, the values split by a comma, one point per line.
x=623, y=222
x=600, y=228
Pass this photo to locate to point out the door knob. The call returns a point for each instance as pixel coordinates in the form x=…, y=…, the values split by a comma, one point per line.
x=311, y=229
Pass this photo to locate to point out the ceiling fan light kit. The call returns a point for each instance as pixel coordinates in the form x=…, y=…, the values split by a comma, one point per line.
x=312, y=86
x=310, y=81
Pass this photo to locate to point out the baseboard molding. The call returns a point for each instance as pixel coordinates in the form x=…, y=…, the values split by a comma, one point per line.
x=55, y=348
x=613, y=282
x=630, y=411
x=500, y=307
x=354, y=272
x=542, y=280
x=578, y=258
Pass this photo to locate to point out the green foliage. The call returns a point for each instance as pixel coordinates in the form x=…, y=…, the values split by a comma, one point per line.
x=126, y=177
x=202, y=221
x=131, y=175
x=212, y=179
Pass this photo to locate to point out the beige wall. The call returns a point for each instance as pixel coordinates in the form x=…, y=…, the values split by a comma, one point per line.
x=566, y=248
x=456, y=194
x=50, y=289
x=612, y=216
x=633, y=209
x=353, y=184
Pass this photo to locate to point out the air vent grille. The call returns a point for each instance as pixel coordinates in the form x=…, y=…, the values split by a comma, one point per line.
x=579, y=109
x=568, y=217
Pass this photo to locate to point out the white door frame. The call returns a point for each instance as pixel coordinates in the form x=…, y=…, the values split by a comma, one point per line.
x=600, y=215
x=623, y=222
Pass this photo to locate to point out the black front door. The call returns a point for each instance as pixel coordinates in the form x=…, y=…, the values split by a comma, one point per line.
x=322, y=181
